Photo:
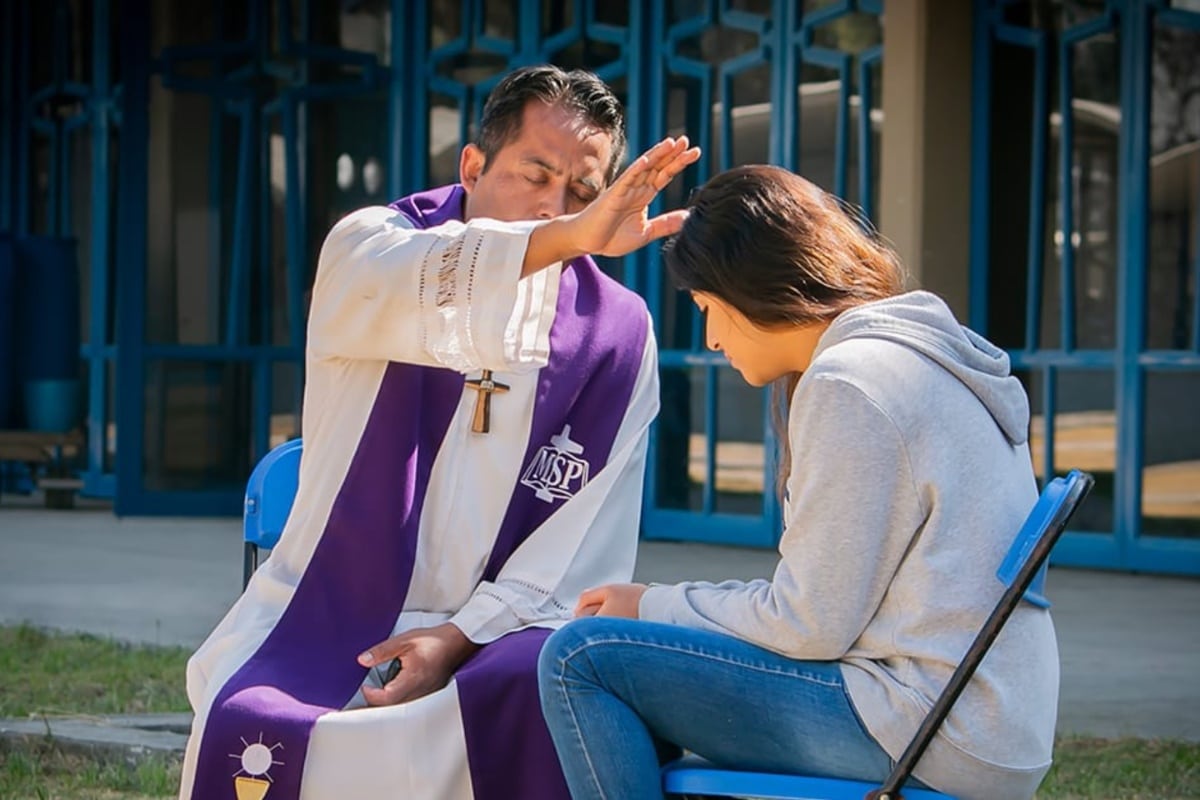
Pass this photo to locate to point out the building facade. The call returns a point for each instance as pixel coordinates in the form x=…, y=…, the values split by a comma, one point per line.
x=1034, y=162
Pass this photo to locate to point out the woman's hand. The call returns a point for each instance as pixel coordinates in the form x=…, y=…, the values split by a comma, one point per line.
x=613, y=600
x=617, y=221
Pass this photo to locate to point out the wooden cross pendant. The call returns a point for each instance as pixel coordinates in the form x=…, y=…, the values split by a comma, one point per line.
x=482, y=421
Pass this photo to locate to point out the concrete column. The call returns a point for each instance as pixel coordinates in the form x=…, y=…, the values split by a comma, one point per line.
x=925, y=176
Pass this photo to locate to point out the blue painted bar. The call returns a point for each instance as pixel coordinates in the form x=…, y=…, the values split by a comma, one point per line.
x=132, y=185
x=101, y=216
x=772, y=510
x=981, y=143
x=866, y=160
x=1168, y=359
x=263, y=237
x=1037, y=193
x=1049, y=423
x=782, y=145
x=1022, y=359
x=216, y=502
x=1021, y=37
x=294, y=216
x=1090, y=550
x=687, y=358
x=398, y=133
x=638, y=52
x=1131, y=277
x=106, y=351
x=8, y=117
x=835, y=60
x=219, y=352
x=1165, y=556
x=655, y=108
x=552, y=44
x=1066, y=162
x=1196, y=283
x=260, y=409
x=24, y=130
x=236, y=301
x=711, y=431
x=677, y=525
x=1178, y=18
x=825, y=14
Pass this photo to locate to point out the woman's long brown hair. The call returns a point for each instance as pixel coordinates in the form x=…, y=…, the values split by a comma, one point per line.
x=784, y=253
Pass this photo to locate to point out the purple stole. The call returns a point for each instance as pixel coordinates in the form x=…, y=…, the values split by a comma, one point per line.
x=344, y=603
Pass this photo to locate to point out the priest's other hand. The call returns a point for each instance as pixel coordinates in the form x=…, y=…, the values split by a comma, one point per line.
x=613, y=600
x=428, y=657
x=618, y=220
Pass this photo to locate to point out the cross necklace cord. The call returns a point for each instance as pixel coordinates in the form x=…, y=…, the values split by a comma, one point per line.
x=486, y=386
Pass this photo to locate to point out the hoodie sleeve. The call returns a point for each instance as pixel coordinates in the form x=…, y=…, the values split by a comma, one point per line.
x=853, y=510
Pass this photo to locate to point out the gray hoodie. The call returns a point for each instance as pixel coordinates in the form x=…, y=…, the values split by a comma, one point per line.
x=910, y=476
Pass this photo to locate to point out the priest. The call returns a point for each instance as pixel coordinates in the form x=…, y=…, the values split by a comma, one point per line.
x=475, y=423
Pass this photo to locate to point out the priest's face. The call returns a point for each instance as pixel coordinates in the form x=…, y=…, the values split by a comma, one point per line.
x=555, y=165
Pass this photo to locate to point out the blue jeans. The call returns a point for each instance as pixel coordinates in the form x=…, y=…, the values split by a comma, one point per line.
x=620, y=696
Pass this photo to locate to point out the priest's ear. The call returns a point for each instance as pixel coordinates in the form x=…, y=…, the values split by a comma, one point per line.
x=470, y=166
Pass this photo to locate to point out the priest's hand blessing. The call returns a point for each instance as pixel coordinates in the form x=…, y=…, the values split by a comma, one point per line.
x=613, y=600
x=617, y=221
x=428, y=657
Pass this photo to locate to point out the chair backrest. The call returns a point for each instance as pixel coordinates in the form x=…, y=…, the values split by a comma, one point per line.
x=1023, y=572
x=269, y=494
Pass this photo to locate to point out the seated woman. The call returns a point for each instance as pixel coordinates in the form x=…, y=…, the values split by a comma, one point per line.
x=907, y=472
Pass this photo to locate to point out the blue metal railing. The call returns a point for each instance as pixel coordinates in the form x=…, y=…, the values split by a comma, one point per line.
x=782, y=42
x=263, y=78
x=55, y=114
x=1132, y=22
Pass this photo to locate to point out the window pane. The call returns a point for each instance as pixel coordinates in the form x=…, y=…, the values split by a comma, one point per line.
x=197, y=425
x=1171, y=459
x=681, y=468
x=1084, y=427
x=739, y=467
x=1174, y=265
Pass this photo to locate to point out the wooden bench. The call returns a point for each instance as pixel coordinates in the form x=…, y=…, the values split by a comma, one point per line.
x=51, y=449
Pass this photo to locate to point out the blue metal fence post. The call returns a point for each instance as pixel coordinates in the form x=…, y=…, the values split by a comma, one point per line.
x=408, y=107
x=8, y=115
x=96, y=350
x=131, y=250
x=22, y=196
x=981, y=122
x=1132, y=250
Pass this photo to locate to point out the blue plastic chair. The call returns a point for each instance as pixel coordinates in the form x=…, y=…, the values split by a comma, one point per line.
x=1023, y=571
x=269, y=495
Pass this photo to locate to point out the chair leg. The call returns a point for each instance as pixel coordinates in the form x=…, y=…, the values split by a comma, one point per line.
x=249, y=562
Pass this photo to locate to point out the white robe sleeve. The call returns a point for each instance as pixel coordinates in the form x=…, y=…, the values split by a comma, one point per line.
x=449, y=296
x=589, y=541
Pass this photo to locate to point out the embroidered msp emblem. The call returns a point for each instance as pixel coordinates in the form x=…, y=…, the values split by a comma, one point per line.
x=557, y=471
x=252, y=781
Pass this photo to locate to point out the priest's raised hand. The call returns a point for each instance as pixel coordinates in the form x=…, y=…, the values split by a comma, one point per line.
x=618, y=220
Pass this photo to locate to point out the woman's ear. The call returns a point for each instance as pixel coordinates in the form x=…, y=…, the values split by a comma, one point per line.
x=470, y=166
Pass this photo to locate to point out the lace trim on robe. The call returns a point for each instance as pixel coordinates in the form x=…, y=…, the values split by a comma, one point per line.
x=448, y=286
x=451, y=325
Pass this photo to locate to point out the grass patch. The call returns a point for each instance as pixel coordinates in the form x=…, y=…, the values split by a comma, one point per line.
x=1128, y=769
x=53, y=674
x=56, y=674
x=39, y=769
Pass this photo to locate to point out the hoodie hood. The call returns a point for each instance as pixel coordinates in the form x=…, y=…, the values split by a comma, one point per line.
x=922, y=322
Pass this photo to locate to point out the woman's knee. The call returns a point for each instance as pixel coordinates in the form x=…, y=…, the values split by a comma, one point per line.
x=569, y=650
